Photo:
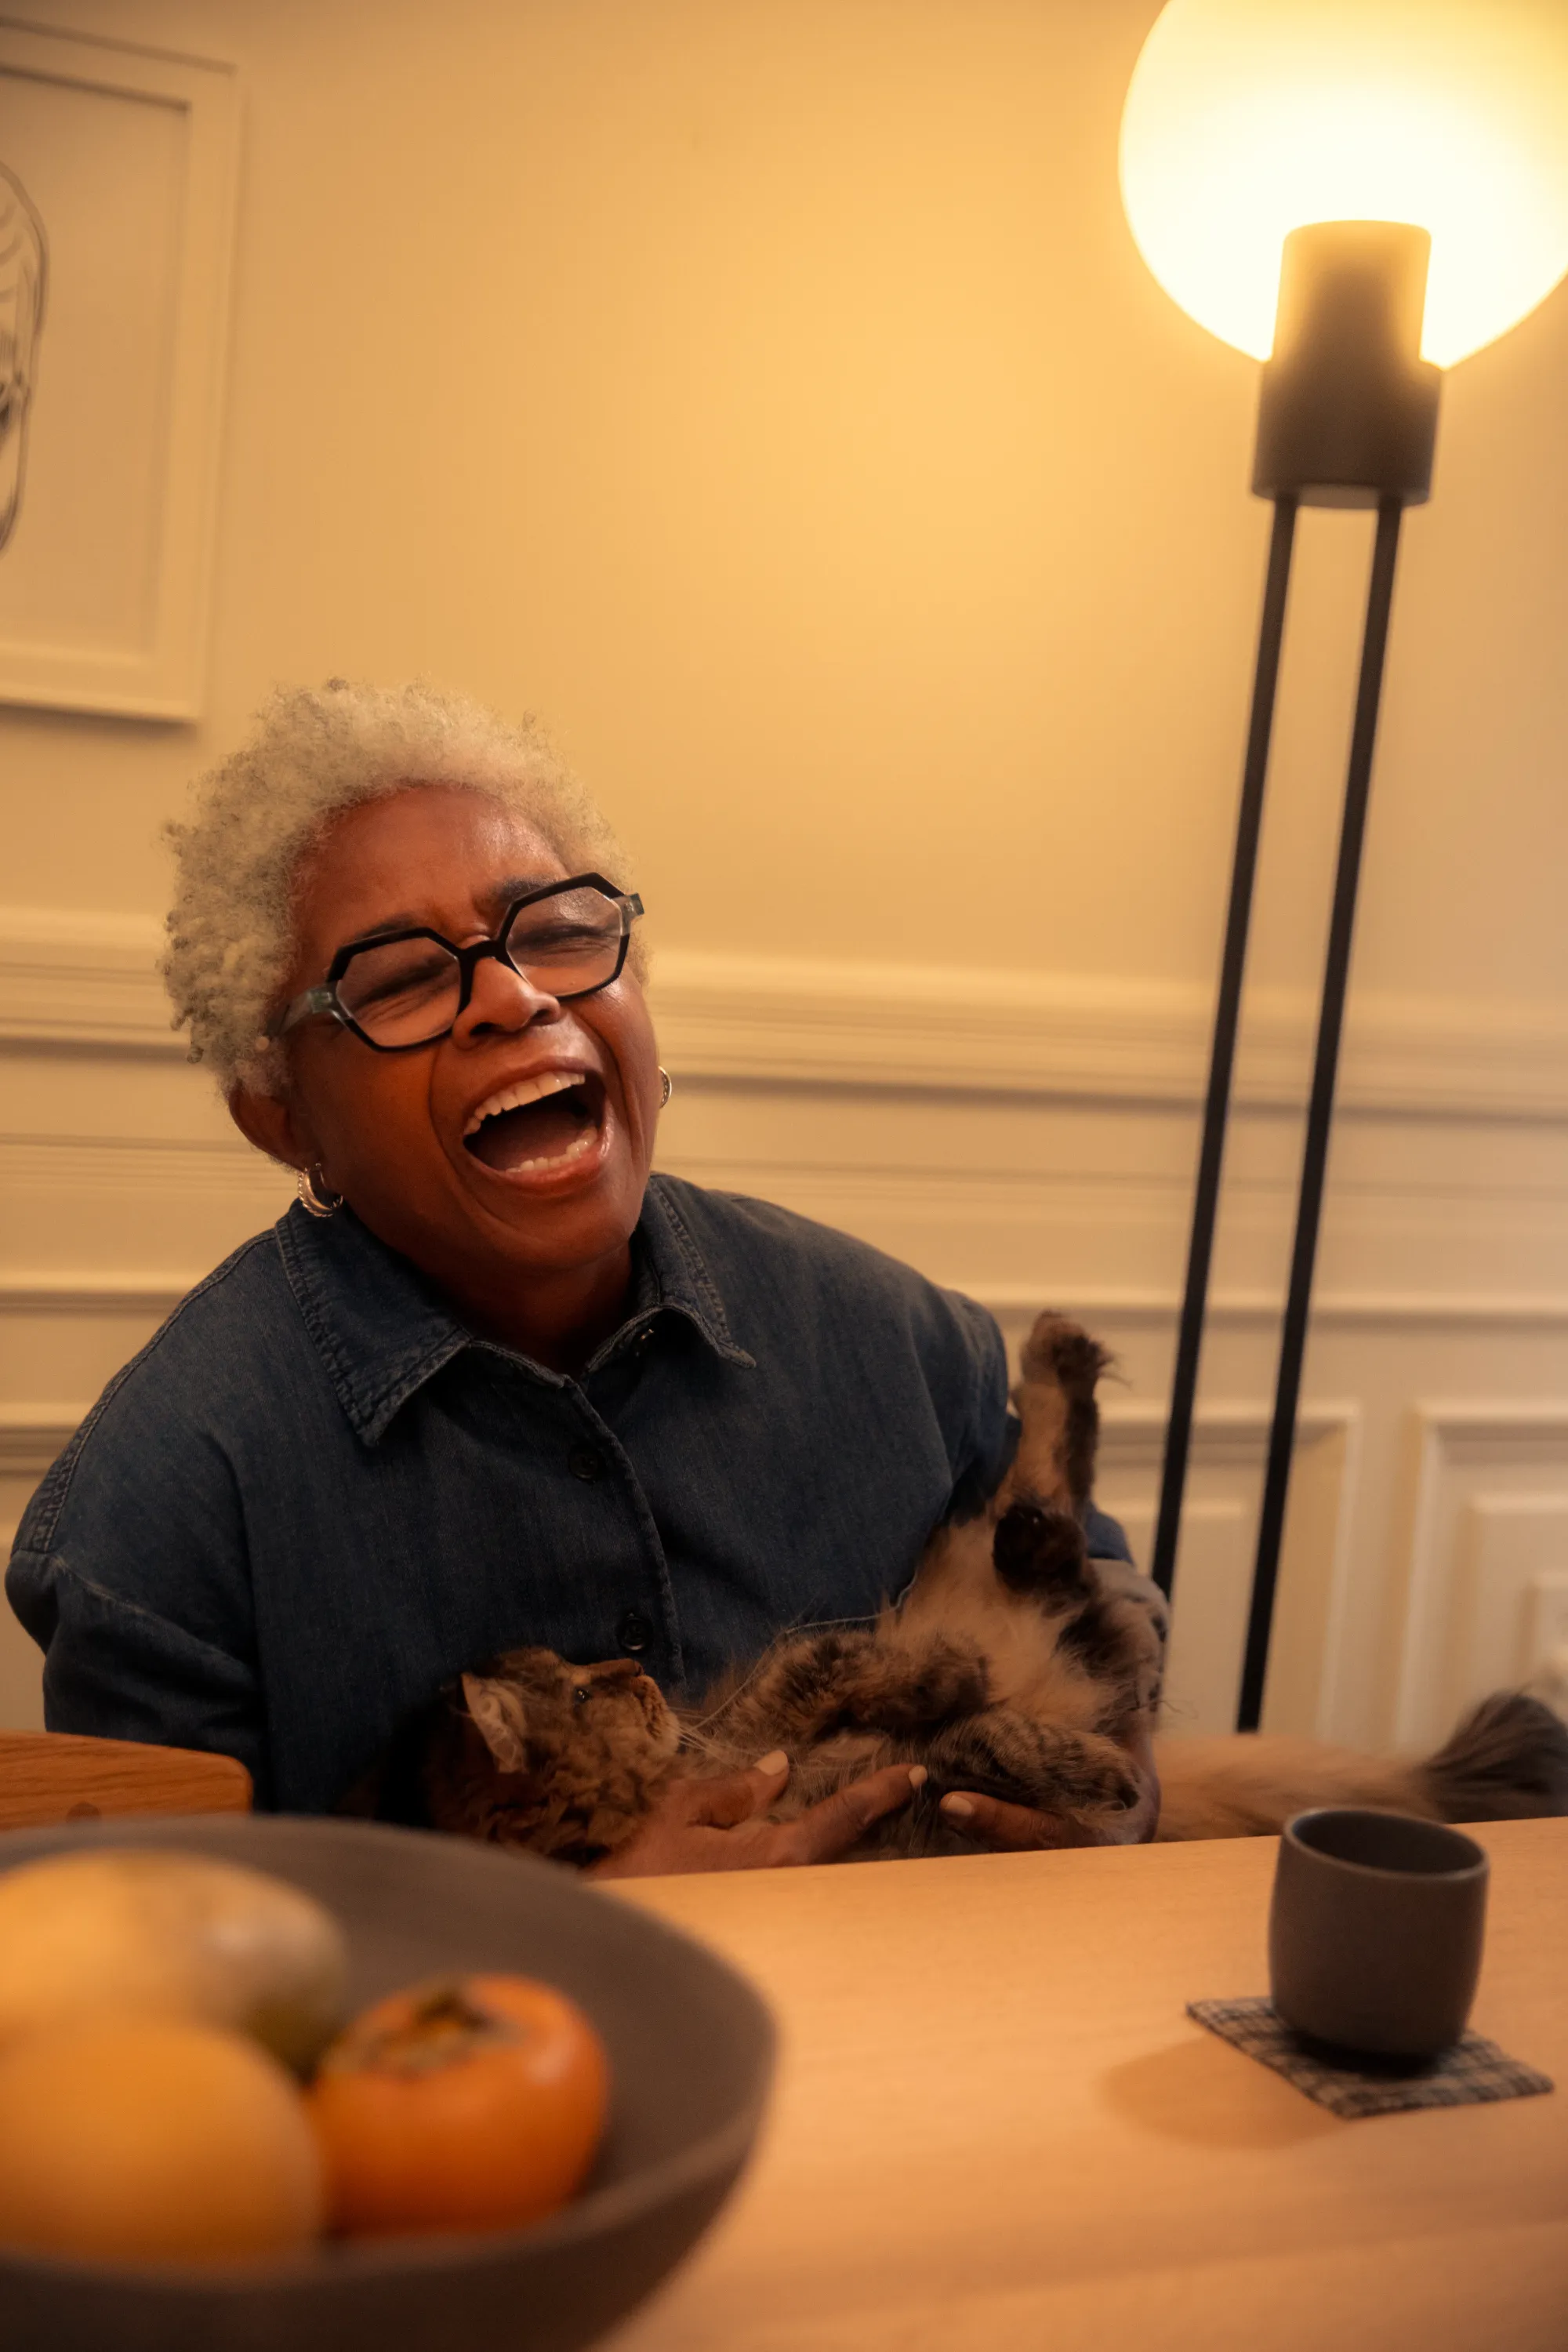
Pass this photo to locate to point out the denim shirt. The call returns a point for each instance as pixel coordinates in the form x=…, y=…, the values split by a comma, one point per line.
x=315, y=1496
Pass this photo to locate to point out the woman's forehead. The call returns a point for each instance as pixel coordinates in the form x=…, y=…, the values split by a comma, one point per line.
x=429, y=854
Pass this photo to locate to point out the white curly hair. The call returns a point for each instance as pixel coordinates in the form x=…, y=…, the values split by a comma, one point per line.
x=311, y=754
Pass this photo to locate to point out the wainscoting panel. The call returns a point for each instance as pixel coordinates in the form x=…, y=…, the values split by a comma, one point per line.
x=1219, y=1535
x=30, y=1437
x=1028, y=1139
x=1487, y=1598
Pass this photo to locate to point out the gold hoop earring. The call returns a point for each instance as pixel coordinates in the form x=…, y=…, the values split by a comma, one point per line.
x=666, y=1086
x=315, y=1203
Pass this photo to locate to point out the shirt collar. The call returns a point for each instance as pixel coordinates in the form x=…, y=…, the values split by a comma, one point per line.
x=683, y=1279
x=383, y=1331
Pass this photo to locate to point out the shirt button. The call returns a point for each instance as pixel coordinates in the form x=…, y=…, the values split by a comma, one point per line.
x=584, y=1463
x=633, y=1632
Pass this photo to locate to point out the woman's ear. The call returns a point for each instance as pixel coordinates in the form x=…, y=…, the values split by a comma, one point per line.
x=498, y=1715
x=268, y=1121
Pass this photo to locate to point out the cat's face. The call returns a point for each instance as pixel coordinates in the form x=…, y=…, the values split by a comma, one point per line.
x=531, y=1707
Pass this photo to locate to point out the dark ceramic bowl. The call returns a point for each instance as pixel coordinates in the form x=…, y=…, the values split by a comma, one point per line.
x=690, y=2047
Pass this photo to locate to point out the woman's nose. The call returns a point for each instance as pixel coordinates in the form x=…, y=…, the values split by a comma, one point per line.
x=501, y=998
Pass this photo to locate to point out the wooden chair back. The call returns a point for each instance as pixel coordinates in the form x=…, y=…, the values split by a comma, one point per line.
x=54, y=1776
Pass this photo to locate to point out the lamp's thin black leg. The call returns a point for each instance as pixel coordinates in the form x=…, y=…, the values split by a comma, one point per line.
x=1319, y=1115
x=1222, y=1057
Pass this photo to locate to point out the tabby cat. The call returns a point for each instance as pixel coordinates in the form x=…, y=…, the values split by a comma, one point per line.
x=1012, y=1667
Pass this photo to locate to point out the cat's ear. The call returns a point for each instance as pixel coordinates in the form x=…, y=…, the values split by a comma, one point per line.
x=498, y=1714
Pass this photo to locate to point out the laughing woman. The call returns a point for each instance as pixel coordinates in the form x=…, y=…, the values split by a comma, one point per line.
x=490, y=1382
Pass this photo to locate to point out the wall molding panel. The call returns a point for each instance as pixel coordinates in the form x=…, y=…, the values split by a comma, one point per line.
x=1486, y=1596
x=68, y=978
x=977, y=1031
x=1029, y=1140
x=31, y=1435
x=1219, y=1536
x=157, y=1294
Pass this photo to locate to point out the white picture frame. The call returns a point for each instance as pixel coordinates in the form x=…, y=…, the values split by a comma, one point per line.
x=117, y=208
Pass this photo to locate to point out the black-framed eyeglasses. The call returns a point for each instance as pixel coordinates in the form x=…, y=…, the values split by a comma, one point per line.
x=407, y=988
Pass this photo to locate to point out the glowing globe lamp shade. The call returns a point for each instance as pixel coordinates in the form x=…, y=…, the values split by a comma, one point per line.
x=1248, y=119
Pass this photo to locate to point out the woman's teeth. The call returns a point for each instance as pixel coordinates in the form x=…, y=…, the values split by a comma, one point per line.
x=537, y=1126
x=573, y=1151
x=517, y=1097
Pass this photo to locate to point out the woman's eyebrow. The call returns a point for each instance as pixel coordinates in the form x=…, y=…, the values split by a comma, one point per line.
x=384, y=923
x=516, y=885
x=500, y=896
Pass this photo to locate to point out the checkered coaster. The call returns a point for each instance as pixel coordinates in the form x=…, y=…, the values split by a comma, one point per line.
x=1473, y=2071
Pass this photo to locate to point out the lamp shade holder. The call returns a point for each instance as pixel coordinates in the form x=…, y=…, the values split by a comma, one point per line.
x=1347, y=412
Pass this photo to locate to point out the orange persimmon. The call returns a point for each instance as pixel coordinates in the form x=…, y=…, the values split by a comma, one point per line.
x=472, y=2103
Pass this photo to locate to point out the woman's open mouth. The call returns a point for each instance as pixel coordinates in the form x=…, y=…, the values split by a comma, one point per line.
x=538, y=1126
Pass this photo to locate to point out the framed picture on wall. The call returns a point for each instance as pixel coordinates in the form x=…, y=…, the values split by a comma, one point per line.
x=117, y=190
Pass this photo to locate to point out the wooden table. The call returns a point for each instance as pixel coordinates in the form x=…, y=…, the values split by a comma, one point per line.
x=994, y=2126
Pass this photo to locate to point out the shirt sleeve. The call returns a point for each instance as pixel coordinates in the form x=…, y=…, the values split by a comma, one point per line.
x=1107, y=1537
x=130, y=1572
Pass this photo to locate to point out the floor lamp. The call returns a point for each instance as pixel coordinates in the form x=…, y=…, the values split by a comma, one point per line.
x=1385, y=184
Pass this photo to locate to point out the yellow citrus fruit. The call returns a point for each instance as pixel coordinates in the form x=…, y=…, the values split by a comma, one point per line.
x=145, y=2140
x=171, y=1934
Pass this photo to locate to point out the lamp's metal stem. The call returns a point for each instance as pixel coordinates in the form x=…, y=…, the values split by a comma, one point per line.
x=1222, y=1057
x=1320, y=1112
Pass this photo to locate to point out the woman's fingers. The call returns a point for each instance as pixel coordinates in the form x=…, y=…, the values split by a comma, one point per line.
x=1016, y=1829
x=722, y=1804
x=831, y=1828
x=718, y=1824
x=722, y=1824
x=703, y=1825
x=1020, y=1829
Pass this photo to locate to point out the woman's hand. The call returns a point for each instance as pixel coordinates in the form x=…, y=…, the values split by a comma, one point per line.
x=1016, y=1829
x=722, y=1824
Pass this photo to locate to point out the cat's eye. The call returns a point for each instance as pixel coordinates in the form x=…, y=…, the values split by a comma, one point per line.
x=582, y=1692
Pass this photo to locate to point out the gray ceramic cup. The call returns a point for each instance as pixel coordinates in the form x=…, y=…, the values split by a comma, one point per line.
x=1375, y=1931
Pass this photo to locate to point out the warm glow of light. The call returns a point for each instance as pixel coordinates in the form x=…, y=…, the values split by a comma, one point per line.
x=1246, y=119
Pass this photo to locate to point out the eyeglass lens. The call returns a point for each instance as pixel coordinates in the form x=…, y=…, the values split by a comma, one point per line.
x=406, y=992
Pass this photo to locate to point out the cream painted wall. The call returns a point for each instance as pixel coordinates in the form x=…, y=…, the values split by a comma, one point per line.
x=768, y=394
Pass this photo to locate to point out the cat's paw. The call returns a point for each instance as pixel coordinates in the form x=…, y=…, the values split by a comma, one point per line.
x=1060, y=1351
x=1103, y=1783
x=918, y=1688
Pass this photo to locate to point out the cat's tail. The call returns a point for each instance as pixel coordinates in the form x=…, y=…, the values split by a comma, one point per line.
x=1056, y=1402
x=1508, y=1760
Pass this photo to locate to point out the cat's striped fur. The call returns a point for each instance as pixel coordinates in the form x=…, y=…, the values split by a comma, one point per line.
x=1012, y=1665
